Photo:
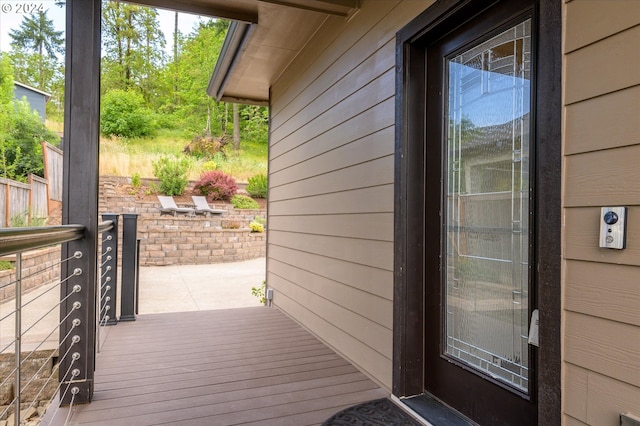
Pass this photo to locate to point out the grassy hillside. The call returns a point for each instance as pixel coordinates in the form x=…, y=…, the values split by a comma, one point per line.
x=124, y=157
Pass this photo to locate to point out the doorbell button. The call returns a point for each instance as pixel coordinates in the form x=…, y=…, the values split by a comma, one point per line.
x=613, y=226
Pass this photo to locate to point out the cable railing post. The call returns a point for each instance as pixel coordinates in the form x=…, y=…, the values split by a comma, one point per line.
x=129, y=261
x=137, y=274
x=18, y=344
x=80, y=200
x=109, y=284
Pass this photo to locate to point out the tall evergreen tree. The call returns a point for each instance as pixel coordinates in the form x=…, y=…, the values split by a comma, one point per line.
x=38, y=35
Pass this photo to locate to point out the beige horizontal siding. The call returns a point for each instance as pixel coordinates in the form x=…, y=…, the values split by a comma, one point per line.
x=594, y=20
x=373, y=226
x=371, y=173
x=346, y=298
x=378, y=199
x=379, y=90
x=605, y=122
x=331, y=93
x=364, y=252
x=368, y=122
x=608, y=347
x=371, y=334
x=594, y=399
x=618, y=301
x=575, y=392
x=338, y=49
x=582, y=228
x=331, y=174
x=601, y=329
x=363, y=277
x=570, y=421
x=367, y=148
x=607, y=66
x=608, y=177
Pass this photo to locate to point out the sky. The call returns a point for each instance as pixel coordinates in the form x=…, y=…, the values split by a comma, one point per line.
x=12, y=12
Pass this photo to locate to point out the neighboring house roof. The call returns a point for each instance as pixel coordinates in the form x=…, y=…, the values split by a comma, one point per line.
x=33, y=89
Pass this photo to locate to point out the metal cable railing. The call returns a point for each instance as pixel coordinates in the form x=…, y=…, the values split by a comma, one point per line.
x=46, y=333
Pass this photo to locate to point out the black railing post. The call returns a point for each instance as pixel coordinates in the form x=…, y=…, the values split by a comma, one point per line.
x=129, y=261
x=137, y=274
x=109, y=284
x=80, y=200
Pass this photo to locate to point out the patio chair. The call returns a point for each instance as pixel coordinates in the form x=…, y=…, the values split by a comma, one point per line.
x=202, y=207
x=169, y=206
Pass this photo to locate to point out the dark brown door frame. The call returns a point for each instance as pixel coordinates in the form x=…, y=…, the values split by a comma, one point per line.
x=410, y=227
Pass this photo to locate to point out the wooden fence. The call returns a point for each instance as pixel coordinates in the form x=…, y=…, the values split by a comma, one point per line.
x=23, y=203
x=53, y=170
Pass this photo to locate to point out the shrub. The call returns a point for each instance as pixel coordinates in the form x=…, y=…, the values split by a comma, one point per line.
x=259, y=292
x=135, y=181
x=230, y=224
x=209, y=166
x=122, y=113
x=244, y=202
x=5, y=265
x=256, y=227
x=216, y=185
x=21, y=149
x=257, y=186
x=172, y=173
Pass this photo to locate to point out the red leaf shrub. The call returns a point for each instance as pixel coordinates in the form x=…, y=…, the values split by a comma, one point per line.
x=215, y=185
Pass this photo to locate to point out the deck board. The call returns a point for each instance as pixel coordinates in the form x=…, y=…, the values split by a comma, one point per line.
x=223, y=367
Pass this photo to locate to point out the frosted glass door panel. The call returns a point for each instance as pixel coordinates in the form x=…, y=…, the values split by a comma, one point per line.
x=487, y=211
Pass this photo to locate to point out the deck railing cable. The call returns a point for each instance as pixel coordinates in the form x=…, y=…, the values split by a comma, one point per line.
x=42, y=362
x=107, y=273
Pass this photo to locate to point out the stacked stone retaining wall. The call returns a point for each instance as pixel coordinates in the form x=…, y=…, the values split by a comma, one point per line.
x=38, y=378
x=186, y=240
x=39, y=267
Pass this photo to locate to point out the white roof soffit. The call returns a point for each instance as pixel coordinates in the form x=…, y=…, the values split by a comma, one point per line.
x=254, y=55
x=342, y=8
x=235, y=10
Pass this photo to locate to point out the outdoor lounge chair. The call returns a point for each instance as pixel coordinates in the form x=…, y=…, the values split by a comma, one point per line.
x=169, y=206
x=202, y=207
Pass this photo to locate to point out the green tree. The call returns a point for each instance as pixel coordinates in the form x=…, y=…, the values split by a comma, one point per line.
x=37, y=34
x=133, y=47
x=23, y=147
x=123, y=113
x=188, y=77
x=31, y=67
x=6, y=95
x=254, y=123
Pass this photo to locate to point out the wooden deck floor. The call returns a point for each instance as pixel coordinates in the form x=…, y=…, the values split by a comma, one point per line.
x=226, y=367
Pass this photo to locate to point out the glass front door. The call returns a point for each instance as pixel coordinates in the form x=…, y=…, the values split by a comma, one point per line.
x=478, y=280
x=486, y=225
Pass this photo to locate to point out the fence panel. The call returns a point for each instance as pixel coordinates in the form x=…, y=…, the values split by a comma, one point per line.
x=4, y=207
x=39, y=201
x=19, y=195
x=53, y=170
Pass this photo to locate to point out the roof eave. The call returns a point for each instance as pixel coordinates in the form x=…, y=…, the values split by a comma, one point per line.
x=232, y=48
x=33, y=89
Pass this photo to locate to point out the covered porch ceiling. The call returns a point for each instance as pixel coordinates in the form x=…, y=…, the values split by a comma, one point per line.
x=264, y=37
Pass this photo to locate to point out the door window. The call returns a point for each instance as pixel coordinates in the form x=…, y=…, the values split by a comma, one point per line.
x=487, y=116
